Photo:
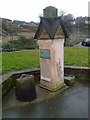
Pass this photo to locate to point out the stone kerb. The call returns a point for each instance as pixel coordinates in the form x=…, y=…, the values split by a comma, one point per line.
x=8, y=80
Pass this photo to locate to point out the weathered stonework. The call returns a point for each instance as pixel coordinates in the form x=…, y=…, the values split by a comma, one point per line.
x=50, y=35
x=7, y=85
x=52, y=70
x=8, y=80
x=78, y=72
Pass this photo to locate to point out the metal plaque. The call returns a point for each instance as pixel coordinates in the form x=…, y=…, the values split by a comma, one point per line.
x=45, y=54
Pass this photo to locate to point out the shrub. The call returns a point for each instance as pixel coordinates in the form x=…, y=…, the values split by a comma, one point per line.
x=21, y=43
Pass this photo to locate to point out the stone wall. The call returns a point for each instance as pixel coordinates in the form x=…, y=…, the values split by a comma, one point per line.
x=8, y=81
x=7, y=85
x=80, y=73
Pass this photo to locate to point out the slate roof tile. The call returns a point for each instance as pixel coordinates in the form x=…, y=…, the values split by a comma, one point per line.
x=51, y=25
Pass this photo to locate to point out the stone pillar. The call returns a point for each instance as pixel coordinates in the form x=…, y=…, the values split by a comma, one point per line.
x=51, y=63
x=50, y=35
x=50, y=12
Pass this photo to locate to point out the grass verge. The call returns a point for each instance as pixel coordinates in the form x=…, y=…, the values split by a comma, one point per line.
x=13, y=61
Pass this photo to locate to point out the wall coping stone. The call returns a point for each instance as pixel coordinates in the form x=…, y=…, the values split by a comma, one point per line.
x=5, y=76
x=77, y=67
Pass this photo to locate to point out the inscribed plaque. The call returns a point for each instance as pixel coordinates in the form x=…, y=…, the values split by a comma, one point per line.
x=45, y=54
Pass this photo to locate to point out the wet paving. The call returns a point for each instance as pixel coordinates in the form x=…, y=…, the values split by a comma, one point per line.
x=72, y=103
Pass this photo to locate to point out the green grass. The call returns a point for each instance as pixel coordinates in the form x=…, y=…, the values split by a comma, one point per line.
x=76, y=56
x=14, y=61
x=19, y=60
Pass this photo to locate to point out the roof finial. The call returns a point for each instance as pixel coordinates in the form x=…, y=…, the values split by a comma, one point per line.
x=50, y=11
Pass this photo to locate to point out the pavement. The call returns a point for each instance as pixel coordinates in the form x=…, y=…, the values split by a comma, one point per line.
x=71, y=103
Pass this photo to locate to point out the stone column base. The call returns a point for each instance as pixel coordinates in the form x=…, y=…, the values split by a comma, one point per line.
x=53, y=86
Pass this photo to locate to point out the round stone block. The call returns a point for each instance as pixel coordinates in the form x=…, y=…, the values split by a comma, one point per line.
x=25, y=88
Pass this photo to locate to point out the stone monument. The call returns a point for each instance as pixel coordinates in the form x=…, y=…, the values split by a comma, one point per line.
x=51, y=35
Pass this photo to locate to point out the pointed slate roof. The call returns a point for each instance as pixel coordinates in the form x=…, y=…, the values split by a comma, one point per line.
x=50, y=25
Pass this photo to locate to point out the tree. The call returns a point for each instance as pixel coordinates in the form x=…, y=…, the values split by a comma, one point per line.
x=62, y=13
x=80, y=23
x=68, y=22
